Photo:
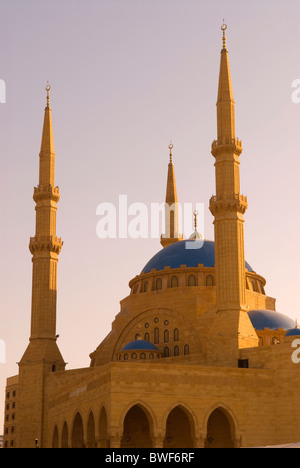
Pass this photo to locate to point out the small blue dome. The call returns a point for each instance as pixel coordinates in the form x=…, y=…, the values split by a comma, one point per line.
x=263, y=318
x=187, y=252
x=293, y=332
x=140, y=345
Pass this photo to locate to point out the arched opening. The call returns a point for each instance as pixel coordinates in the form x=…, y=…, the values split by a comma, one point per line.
x=192, y=280
x=77, y=432
x=174, y=282
x=65, y=436
x=136, y=432
x=179, y=429
x=220, y=429
x=55, y=438
x=209, y=280
x=103, y=435
x=91, y=441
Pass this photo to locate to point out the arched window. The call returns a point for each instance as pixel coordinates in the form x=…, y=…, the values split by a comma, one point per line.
x=166, y=336
x=137, y=336
x=192, y=280
x=186, y=350
x=151, y=356
x=158, y=283
x=176, y=351
x=145, y=286
x=176, y=334
x=147, y=336
x=260, y=341
x=166, y=352
x=275, y=340
x=156, y=335
x=143, y=356
x=209, y=280
x=174, y=282
x=133, y=356
x=125, y=357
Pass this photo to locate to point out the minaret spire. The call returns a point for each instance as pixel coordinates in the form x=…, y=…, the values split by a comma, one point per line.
x=228, y=207
x=42, y=355
x=171, y=206
x=45, y=246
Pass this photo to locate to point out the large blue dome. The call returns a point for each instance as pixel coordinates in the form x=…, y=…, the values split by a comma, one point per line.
x=185, y=253
x=263, y=318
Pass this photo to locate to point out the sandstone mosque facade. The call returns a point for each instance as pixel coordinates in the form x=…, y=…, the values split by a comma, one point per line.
x=197, y=357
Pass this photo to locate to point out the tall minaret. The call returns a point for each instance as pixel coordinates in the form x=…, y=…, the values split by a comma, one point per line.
x=228, y=208
x=171, y=207
x=42, y=355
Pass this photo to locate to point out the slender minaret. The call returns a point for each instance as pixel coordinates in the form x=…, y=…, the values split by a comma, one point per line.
x=171, y=207
x=42, y=355
x=233, y=326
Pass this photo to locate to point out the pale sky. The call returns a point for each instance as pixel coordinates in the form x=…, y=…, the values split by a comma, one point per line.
x=127, y=76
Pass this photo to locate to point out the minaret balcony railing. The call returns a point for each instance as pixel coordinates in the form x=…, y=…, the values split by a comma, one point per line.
x=46, y=244
x=46, y=192
x=226, y=144
x=228, y=202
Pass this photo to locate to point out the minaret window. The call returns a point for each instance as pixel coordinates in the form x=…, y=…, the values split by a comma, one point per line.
x=166, y=336
x=176, y=334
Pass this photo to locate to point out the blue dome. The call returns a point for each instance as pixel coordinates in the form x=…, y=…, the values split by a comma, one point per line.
x=140, y=345
x=183, y=253
x=293, y=332
x=262, y=318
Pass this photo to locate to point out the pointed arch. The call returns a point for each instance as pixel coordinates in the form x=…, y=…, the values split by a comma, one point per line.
x=55, y=438
x=65, y=436
x=103, y=429
x=220, y=427
x=77, y=439
x=138, y=426
x=91, y=440
x=180, y=427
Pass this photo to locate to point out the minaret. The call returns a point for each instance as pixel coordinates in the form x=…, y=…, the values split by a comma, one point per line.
x=171, y=207
x=233, y=326
x=42, y=355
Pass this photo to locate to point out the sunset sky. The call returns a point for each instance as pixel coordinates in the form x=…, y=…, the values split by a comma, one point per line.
x=128, y=76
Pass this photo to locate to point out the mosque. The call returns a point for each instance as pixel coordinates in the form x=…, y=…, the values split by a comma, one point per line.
x=197, y=357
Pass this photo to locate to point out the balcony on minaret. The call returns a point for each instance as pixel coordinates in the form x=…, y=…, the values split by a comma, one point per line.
x=228, y=202
x=45, y=244
x=226, y=143
x=46, y=192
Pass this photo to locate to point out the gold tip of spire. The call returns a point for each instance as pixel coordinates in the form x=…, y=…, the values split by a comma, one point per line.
x=170, y=148
x=195, y=219
x=48, y=87
x=224, y=27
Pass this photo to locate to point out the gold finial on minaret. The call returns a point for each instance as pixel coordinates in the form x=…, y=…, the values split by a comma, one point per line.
x=170, y=148
x=195, y=219
x=224, y=27
x=48, y=87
